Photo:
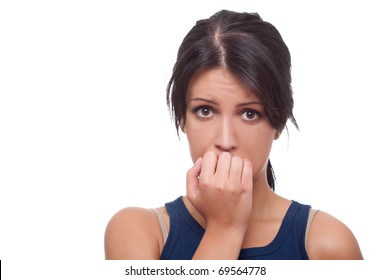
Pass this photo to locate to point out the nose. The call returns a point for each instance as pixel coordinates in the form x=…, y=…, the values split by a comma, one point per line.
x=226, y=138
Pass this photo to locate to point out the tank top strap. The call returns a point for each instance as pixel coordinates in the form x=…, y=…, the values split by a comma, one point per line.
x=173, y=231
x=302, y=224
x=312, y=213
x=163, y=225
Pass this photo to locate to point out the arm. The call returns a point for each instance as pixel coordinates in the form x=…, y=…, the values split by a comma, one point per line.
x=220, y=189
x=133, y=233
x=220, y=243
x=330, y=239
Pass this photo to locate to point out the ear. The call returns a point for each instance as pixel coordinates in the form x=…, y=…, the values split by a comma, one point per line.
x=182, y=127
x=277, y=134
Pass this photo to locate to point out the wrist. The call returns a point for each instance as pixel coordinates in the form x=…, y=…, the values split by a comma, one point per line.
x=221, y=242
x=227, y=231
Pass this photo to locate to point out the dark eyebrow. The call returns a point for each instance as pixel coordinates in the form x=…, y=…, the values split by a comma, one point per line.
x=249, y=103
x=215, y=103
x=203, y=99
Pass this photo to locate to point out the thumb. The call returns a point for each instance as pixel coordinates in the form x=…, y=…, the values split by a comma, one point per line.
x=192, y=179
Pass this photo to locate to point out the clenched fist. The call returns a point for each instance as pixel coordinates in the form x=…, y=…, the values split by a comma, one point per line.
x=220, y=188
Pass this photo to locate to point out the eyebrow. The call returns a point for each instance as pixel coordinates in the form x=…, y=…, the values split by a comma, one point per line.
x=203, y=99
x=215, y=103
x=249, y=103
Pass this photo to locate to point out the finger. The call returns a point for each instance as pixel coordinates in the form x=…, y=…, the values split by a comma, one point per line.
x=247, y=175
x=192, y=181
x=209, y=163
x=236, y=169
x=223, y=165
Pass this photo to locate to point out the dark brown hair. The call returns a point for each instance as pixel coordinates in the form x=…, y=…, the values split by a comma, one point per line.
x=249, y=48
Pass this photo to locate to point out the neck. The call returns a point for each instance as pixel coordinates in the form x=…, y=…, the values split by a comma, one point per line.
x=265, y=201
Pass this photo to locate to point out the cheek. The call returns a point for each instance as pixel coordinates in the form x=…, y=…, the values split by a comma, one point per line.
x=198, y=140
x=260, y=160
x=257, y=149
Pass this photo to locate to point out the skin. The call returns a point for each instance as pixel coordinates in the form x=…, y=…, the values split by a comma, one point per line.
x=230, y=140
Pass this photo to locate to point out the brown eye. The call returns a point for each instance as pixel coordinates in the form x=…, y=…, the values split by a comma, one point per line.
x=204, y=112
x=250, y=115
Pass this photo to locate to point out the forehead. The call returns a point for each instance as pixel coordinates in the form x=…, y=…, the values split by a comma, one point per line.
x=218, y=83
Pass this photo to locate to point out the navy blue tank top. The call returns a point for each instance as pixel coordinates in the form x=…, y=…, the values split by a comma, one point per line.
x=185, y=234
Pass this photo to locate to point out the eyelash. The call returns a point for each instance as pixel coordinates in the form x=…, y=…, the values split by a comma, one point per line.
x=198, y=109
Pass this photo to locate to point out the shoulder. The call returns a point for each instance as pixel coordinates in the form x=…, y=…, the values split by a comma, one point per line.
x=329, y=238
x=133, y=233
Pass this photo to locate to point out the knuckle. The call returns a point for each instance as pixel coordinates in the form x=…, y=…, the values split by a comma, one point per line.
x=237, y=159
x=224, y=159
x=225, y=155
x=248, y=163
x=210, y=154
x=206, y=183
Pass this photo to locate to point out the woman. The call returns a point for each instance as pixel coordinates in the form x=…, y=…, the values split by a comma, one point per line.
x=230, y=93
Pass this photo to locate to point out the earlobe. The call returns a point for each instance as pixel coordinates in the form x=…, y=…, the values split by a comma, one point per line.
x=277, y=134
x=181, y=124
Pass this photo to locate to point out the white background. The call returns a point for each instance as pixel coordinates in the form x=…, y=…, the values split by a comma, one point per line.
x=85, y=131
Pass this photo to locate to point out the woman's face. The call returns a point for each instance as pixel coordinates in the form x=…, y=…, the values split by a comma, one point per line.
x=223, y=115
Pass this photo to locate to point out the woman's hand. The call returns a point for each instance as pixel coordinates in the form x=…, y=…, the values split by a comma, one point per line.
x=220, y=188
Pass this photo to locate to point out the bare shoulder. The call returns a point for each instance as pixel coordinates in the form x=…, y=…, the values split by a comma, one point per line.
x=133, y=233
x=329, y=239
